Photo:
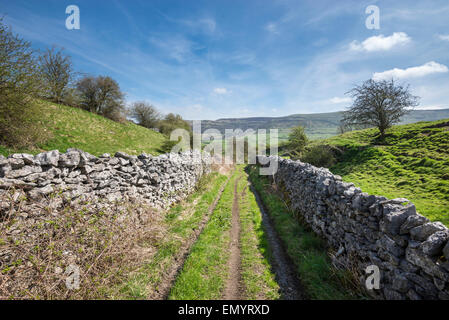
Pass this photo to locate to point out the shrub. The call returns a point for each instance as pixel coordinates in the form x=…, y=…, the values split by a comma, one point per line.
x=171, y=122
x=321, y=155
x=146, y=115
x=297, y=141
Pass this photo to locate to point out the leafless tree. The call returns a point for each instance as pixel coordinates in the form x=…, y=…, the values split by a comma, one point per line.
x=57, y=72
x=379, y=104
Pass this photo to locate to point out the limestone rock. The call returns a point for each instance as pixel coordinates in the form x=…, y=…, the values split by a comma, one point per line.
x=422, y=232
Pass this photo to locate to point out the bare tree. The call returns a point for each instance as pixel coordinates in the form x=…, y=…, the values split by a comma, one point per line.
x=57, y=72
x=102, y=95
x=145, y=114
x=379, y=104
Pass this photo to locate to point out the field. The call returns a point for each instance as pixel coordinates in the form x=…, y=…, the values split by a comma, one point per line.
x=413, y=163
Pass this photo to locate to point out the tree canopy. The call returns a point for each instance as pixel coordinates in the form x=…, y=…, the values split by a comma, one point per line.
x=379, y=104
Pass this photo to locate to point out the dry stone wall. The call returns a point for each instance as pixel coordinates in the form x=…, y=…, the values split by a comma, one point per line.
x=79, y=176
x=411, y=252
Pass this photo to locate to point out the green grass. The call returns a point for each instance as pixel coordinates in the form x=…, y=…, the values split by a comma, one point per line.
x=204, y=274
x=75, y=128
x=308, y=252
x=142, y=282
x=413, y=163
x=258, y=279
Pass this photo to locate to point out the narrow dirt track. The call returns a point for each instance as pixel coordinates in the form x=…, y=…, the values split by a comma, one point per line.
x=283, y=267
x=170, y=275
x=233, y=289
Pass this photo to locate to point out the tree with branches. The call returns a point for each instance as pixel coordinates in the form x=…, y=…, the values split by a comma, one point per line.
x=379, y=104
x=102, y=95
x=145, y=114
x=57, y=73
x=19, y=84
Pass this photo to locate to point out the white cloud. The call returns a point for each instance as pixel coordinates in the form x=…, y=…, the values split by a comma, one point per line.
x=413, y=72
x=221, y=91
x=432, y=107
x=272, y=28
x=444, y=37
x=381, y=43
x=337, y=100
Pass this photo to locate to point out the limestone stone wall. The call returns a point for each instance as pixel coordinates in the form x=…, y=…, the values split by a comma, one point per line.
x=78, y=175
x=411, y=252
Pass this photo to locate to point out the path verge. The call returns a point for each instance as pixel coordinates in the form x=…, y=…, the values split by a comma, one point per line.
x=185, y=223
x=307, y=251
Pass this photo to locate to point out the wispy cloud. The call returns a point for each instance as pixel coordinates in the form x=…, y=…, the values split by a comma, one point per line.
x=444, y=37
x=221, y=91
x=272, y=28
x=202, y=25
x=412, y=72
x=381, y=43
x=176, y=47
x=339, y=100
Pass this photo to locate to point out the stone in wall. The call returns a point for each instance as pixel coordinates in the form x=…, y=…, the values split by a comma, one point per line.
x=79, y=176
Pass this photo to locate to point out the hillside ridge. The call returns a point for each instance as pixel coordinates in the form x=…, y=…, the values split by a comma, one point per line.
x=317, y=125
x=70, y=127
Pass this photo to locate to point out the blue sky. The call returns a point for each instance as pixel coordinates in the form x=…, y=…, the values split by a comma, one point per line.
x=228, y=58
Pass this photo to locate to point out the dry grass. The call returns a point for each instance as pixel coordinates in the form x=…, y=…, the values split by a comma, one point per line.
x=39, y=241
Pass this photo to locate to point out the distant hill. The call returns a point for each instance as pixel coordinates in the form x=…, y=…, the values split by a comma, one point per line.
x=76, y=128
x=318, y=125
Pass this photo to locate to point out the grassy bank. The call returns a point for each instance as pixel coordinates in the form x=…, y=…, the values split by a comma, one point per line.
x=413, y=163
x=308, y=252
x=76, y=128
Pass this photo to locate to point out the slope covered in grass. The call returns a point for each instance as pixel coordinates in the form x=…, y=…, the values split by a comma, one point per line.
x=413, y=162
x=75, y=128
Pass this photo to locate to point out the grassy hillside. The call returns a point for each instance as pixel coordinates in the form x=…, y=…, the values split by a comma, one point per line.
x=412, y=163
x=318, y=125
x=75, y=128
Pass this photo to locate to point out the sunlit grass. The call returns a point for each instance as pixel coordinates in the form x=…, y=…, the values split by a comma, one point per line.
x=76, y=128
x=307, y=251
x=412, y=163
